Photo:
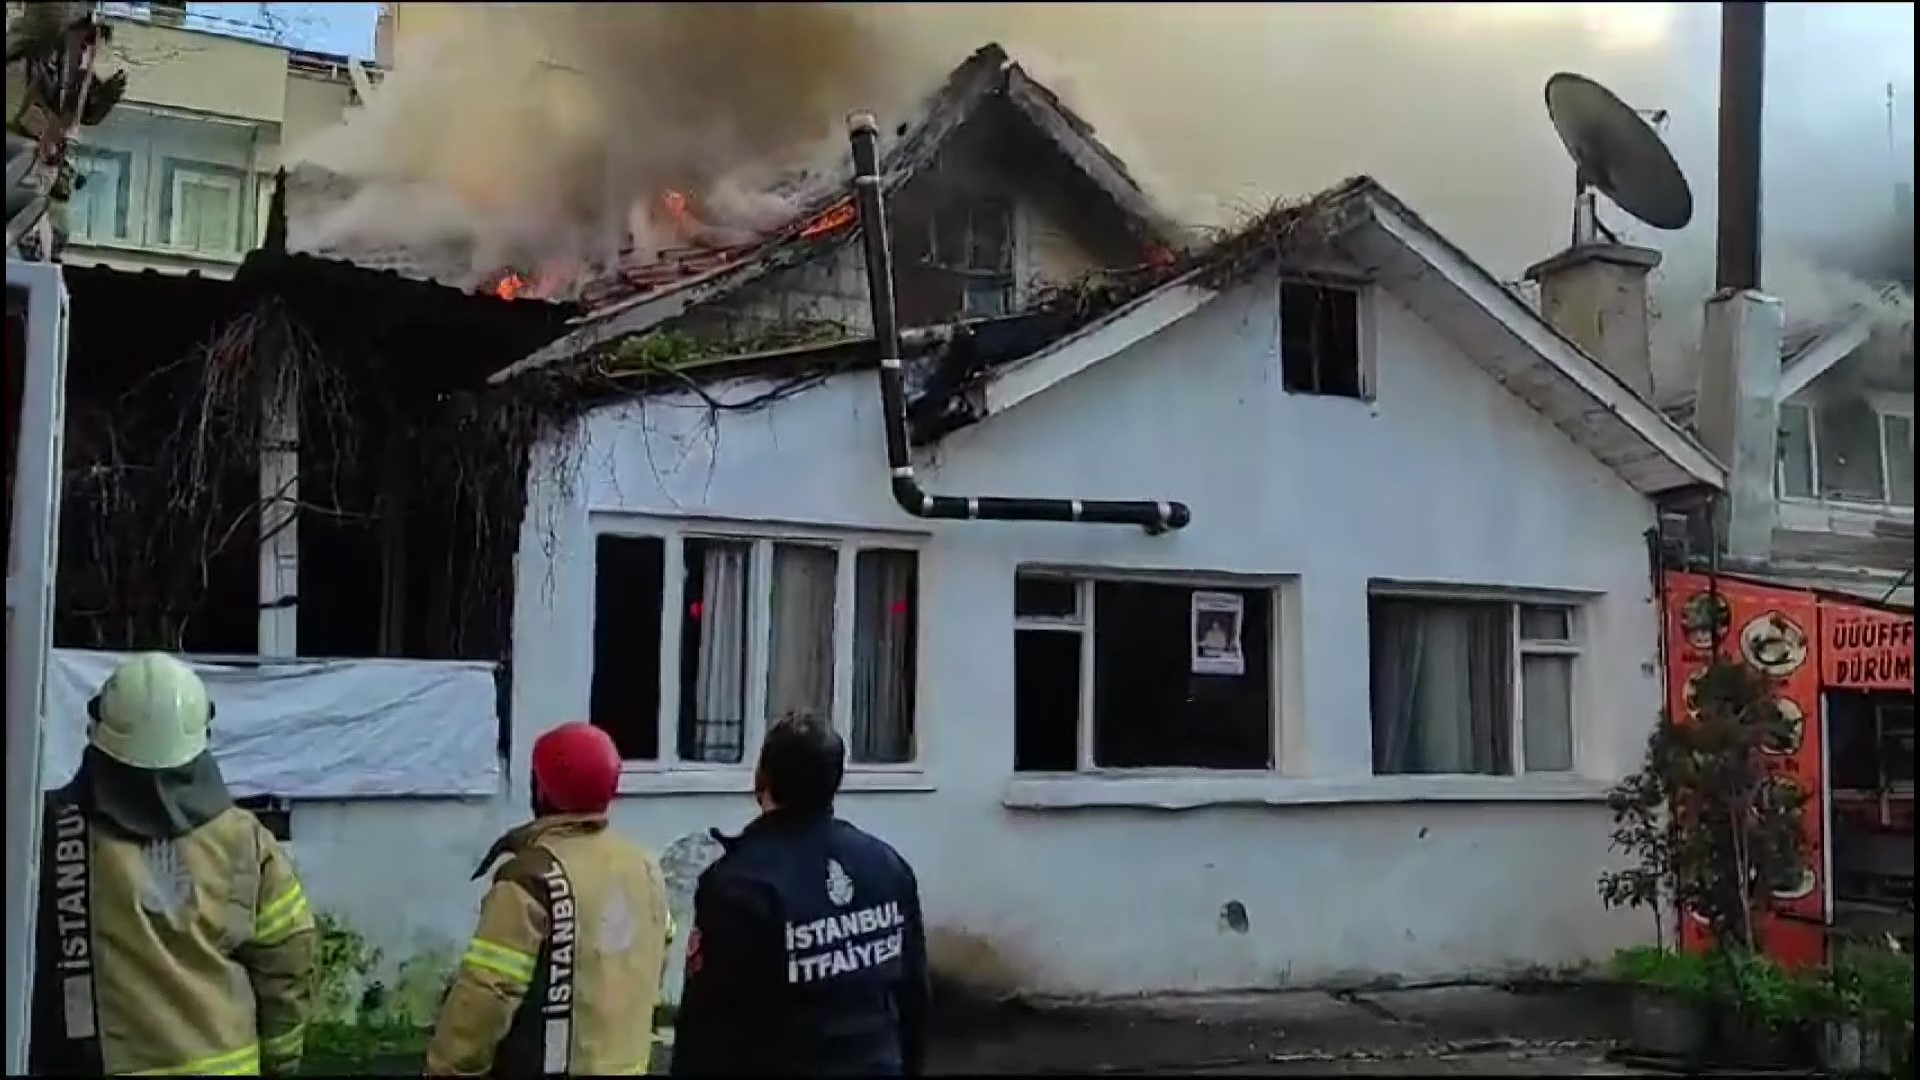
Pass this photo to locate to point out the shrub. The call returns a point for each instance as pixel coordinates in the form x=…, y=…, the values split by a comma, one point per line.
x=345, y=963
x=1712, y=830
x=1683, y=975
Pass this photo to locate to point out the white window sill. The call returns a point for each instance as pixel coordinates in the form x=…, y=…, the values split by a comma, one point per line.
x=1061, y=792
x=739, y=781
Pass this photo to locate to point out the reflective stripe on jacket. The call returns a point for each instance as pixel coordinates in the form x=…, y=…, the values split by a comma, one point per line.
x=601, y=946
x=198, y=950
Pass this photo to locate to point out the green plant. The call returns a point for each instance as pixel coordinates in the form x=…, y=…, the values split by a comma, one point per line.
x=1874, y=985
x=1761, y=989
x=345, y=963
x=1642, y=827
x=1712, y=828
x=1684, y=975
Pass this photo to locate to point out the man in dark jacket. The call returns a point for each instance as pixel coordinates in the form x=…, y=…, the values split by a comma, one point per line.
x=807, y=955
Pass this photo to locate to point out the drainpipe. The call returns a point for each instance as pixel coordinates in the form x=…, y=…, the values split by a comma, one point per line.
x=1155, y=517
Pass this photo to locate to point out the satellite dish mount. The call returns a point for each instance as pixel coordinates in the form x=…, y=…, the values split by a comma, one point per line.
x=1617, y=153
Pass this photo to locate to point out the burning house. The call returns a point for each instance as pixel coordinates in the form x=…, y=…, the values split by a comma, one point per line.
x=1267, y=591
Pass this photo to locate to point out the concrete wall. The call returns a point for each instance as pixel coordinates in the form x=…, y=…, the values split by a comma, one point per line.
x=202, y=97
x=1445, y=478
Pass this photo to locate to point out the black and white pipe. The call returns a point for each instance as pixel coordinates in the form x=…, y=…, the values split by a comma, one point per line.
x=1155, y=517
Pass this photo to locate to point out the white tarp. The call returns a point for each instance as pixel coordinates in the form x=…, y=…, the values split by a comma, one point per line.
x=335, y=729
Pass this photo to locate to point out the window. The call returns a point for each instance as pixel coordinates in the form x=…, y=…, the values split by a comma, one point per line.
x=1471, y=687
x=690, y=666
x=1847, y=450
x=1896, y=432
x=274, y=814
x=203, y=207
x=1105, y=675
x=1320, y=340
x=1796, y=452
x=956, y=258
x=103, y=194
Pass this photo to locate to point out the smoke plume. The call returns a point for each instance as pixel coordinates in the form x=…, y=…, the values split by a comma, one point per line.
x=550, y=132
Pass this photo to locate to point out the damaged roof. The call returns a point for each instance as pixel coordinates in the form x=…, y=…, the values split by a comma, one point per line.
x=830, y=221
x=634, y=296
x=976, y=370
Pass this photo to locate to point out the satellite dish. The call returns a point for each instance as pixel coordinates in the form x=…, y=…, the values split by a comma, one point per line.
x=1617, y=152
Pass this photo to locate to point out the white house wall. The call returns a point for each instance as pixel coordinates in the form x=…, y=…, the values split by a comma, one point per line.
x=1445, y=478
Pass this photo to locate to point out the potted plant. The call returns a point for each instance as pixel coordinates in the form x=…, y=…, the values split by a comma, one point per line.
x=1867, y=1022
x=1668, y=1003
x=1714, y=833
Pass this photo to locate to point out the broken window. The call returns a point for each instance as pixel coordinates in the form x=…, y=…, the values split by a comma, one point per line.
x=1320, y=340
x=955, y=258
x=1471, y=687
x=1104, y=677
x=627, y=575
x=761, y=636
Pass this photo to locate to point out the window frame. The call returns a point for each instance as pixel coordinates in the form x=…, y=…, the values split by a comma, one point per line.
x=1365, y=309
x=1005, y=278
x=175, y=170
x=761, y=537
x=1882, y=409
x=1519, y=648
x=123, y=193
x=1084, y=624
x=1881, y=412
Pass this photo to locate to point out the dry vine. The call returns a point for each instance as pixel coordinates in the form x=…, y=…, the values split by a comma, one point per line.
x=162, y=479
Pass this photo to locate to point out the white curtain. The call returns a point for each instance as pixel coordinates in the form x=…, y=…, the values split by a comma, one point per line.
x=1441, y=701
x=800, y=669
x=885, y=610
x=720, y=686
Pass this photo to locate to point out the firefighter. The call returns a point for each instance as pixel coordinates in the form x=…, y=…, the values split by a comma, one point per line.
x=563, y=972
x=174, y=936
x=807, y=954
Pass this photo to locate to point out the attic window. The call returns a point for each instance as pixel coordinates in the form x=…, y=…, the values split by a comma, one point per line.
x=1320, y=340
x=956, y=261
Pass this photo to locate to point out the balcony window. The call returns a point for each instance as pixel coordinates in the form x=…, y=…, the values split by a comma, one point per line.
x=203, y=207
x=103, y=194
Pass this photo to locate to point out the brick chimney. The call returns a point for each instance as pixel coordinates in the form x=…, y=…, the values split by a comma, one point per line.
x=1596, y=294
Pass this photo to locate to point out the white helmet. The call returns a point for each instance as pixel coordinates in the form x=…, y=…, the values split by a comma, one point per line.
x=153, y=713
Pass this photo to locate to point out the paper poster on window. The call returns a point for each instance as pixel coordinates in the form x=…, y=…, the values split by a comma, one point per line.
x=1216, y=634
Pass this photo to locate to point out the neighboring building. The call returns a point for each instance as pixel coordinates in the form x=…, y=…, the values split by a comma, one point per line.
x=1817, y=422
x=177, y=178
x=1332, y=729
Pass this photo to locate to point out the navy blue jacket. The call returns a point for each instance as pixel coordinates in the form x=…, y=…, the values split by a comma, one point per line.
x=807, y=956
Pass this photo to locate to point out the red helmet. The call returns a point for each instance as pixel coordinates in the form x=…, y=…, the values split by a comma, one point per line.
x=576, y=768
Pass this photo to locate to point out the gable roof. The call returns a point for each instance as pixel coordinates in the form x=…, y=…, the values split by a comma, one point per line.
x=1485, y=320
x=830, y=221
x=634, y=296
x=1811, y=348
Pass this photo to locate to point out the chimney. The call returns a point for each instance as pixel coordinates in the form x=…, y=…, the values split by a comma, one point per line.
x=1737, y=405
x=1596, y=294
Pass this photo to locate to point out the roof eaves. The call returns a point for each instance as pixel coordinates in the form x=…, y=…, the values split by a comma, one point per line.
x=1609, y=393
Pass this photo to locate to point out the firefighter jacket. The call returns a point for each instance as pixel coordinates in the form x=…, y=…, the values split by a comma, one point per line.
x=563, y=973
x=174, y=936
x=807, y=956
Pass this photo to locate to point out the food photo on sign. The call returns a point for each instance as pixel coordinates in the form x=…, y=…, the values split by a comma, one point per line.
x=1217, y=619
